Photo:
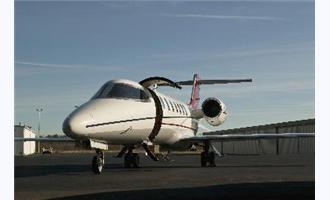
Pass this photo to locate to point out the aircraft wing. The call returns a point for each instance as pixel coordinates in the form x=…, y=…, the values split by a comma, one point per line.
x=45, y=139
x=235, y=137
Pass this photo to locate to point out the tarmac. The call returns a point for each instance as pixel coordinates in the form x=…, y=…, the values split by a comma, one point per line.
x=69, y=176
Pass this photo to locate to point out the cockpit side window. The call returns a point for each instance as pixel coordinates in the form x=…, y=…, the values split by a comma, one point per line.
x=144, y=95
x=103, y=90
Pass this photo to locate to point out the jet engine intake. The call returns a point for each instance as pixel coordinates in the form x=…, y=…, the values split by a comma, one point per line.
x=214, y=111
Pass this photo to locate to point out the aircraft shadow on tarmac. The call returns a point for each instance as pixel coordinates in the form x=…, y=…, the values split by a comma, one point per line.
x=274, y=190
x=37, y=170
x=30, y=171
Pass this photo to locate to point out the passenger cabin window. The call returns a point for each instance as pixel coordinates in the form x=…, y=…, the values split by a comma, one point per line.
x=176, y=107
x=179, y=107
x=184, y=107
x=121, y=91
x=171, y=105
x=168, y=105
x=183, y=110
x=162, y=102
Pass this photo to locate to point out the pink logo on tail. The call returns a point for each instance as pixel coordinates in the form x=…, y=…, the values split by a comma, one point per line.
x=194, y=99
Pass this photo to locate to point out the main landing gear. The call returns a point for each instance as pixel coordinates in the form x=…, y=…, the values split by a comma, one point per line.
x=131, y=160
x=98, y=162
x=207, y=157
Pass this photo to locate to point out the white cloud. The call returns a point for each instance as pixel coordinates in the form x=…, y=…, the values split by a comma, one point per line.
x=275, y=1
x=283, y=86
x=45, y=65
x=215, y=54
x=69, y=66
x=222, y=17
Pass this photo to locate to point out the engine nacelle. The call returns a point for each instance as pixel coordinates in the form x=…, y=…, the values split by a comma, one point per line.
x=214, y=111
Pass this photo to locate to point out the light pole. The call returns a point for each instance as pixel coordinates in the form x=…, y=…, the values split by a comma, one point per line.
x=39, y=110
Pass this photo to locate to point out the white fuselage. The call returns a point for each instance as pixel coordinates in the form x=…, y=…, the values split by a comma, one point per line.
x=130, y=121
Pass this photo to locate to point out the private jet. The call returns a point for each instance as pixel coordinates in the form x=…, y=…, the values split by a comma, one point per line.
x=134, y=115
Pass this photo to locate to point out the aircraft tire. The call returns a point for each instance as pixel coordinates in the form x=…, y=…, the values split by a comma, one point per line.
x=212, y=159
x=203, y=159
x=97, y=165
x=128, y=160
x=136, y=160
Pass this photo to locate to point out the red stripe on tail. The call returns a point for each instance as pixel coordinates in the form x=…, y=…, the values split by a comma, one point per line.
x=194, y=99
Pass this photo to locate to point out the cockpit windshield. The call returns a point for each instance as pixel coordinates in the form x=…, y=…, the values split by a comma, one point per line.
x=122, y=91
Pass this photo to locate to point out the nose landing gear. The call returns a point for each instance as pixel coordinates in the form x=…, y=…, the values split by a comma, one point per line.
x=131, y=160
x=98, y=162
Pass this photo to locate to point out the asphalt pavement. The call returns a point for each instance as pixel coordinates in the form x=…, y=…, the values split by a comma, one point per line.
x=69, y=176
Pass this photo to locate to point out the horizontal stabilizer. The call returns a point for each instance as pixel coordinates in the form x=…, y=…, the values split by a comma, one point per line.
x=214, y=81
x=161, y=81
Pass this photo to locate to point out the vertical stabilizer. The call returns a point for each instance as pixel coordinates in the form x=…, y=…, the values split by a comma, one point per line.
x=194, y=99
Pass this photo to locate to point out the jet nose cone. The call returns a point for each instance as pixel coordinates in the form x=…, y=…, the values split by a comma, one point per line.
x=74, y=126
x=66, y=127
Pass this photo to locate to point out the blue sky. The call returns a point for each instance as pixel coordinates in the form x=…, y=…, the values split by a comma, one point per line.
x=64, y=51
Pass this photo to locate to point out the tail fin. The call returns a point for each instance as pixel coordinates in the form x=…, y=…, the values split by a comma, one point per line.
x=194, y=99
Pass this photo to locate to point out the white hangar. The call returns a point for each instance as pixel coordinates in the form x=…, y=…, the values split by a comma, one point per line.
x=24, y=148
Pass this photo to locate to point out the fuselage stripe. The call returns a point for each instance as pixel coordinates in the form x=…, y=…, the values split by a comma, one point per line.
x=120, y=121
x=131, y=120
x=170, y=124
